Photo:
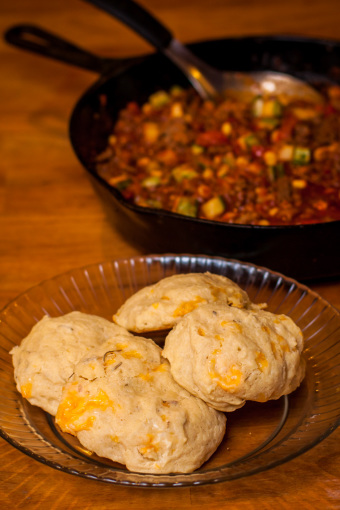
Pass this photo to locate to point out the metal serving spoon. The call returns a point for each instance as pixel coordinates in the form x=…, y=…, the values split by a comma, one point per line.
x=207, y=80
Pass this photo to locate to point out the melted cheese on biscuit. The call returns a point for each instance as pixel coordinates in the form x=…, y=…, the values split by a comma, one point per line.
x=73, y=407
x=26, y=390
x=228, y=381
x=188, y=306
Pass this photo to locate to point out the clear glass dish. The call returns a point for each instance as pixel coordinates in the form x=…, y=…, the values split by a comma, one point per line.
x=259, y=436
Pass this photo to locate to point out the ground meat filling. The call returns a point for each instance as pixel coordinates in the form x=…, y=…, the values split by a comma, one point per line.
x=264, y=161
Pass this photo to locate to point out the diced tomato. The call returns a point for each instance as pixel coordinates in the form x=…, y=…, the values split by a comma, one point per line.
x=329, y=110
x=284, y=132
x=258, y=150
x=133, y=108
x=209, y=138
x=127, y=194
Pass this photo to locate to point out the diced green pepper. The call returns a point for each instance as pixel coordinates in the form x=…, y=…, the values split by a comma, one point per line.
x=159, y=98
x=267, y=123
x=187, y=207
x=121, y=185
x=213, y=207
x=197, y=149
x=251, y=140
x=275, y=172
x=274, y=108
x=247, y=141
x=257, y=106
x=151, y=182
x=183, y=172
x=301, y=155
x=266, y=108
x=229, y=159
x=176, y=90
x=155, y=204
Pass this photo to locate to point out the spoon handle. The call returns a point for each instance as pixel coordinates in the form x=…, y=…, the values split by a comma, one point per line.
x=205, y=80
x=137, y=18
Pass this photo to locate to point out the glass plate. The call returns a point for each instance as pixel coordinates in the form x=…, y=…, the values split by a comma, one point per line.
x=259, y=436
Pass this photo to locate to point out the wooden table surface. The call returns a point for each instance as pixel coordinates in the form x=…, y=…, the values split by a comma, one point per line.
x=51, y=221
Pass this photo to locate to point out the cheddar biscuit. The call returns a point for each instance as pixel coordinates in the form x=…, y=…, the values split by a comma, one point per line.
x=45, y=359
x=123, y=404
x=162, y=305
x=227, y=355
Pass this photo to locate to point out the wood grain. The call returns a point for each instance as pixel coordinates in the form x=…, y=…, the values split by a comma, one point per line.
x=51, y=220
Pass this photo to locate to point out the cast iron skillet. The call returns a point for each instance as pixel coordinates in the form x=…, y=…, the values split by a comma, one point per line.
x=303, y=251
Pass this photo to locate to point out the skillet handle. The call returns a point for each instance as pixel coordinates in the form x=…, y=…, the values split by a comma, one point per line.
x=38, y=40
x=137, y=18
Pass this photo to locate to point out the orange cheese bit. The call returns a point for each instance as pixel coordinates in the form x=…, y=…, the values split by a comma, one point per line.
x=188, y=306
x=273, y=346
x=120, y=349
x=131, y=354
x=26, y=390
x=74, y=406
x=111, y=356
x=238, y=326
x=148, y=376
x=215, y=351
x=232, y=323
x=216, y=291
x=261, y=361
x=163, y=367
x=283, y=343
x=229, y=381
x=150, y=448
x=109, y=360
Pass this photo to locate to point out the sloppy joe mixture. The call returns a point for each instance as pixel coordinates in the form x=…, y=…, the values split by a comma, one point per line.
x=261, y=161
